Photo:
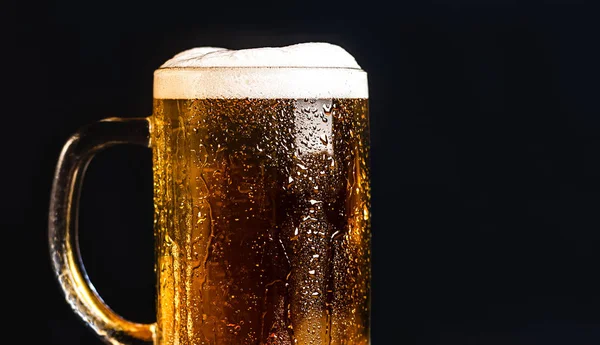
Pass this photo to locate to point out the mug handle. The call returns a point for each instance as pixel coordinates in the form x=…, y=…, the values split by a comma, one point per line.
x=62, y=227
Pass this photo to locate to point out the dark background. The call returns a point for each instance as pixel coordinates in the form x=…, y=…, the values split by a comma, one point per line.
x=485, y=156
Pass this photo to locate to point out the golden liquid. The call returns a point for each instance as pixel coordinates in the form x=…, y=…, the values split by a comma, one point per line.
x=262, y=221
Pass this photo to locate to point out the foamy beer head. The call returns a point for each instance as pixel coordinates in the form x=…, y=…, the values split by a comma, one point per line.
x=306, y=70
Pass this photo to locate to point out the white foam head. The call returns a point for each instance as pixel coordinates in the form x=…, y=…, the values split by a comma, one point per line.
x=304, y=70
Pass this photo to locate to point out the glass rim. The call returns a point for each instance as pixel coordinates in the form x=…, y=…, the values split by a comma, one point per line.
x=260, y=82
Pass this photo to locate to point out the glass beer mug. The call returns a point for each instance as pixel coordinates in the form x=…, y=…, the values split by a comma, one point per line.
x=261, y=201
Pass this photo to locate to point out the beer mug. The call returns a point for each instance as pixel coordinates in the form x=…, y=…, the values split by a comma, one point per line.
x=261, y=200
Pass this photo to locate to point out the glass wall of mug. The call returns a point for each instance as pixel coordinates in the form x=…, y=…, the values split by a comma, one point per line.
x=262, y=208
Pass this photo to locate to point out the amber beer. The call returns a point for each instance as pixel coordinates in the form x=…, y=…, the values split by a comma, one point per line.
x=262, y=220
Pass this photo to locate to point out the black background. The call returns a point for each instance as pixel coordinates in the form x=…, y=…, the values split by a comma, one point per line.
x=485, y=122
